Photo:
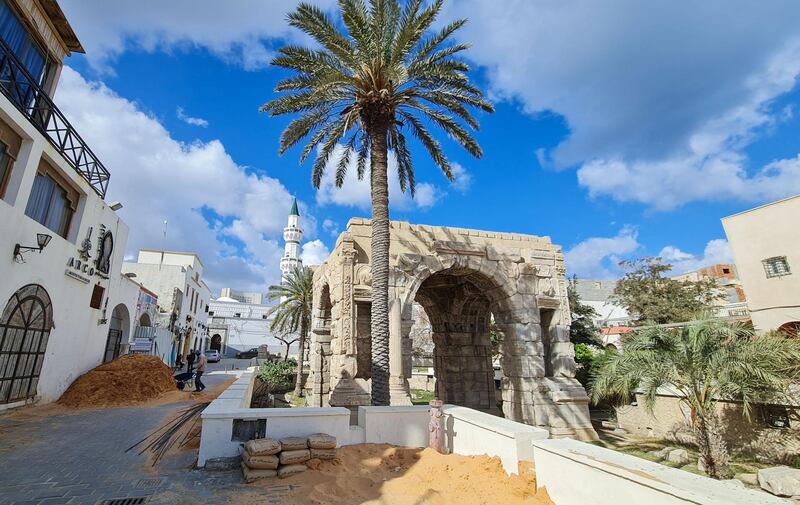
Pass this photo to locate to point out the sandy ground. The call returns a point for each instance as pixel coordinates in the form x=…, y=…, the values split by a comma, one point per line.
x=378, y=474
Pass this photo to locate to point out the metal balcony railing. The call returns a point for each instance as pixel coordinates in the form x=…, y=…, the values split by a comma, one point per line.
x=32, y=101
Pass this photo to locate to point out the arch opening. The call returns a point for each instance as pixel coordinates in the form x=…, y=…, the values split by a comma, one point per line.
x=25, y=328
x=145, y=321
x=118, y=332
x=462, y=306
x=216, y=342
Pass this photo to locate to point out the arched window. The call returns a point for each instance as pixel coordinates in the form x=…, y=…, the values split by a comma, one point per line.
x=24, y=330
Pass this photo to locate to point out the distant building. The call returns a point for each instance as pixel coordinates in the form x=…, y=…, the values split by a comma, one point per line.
x=176, y=278
x=235, y=326
x=600, y=296
x=240, y=296
x=292, y=235
x=732, y=303
x=766, y=249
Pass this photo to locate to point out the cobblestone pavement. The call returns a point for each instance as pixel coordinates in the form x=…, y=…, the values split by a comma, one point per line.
x=79, y=458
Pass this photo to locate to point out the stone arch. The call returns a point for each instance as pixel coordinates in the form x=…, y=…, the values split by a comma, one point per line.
x=216, y=342
x=118, y=332
x=25, y=327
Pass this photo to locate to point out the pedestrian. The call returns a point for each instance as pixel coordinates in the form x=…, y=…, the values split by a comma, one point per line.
x=202, y=361
x=190, y=361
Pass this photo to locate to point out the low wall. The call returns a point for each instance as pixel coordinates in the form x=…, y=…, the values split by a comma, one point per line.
x=471, y=433
x=405, y=426
x=579, y=473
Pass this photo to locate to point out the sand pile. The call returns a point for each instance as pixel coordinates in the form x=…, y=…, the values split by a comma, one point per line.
x=127, y=380
x=387, y=475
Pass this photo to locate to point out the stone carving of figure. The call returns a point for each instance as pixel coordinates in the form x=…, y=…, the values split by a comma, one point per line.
x=435, y=426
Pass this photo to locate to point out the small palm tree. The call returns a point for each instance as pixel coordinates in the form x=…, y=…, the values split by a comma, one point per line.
x=293, y=313
x=359, y=95
x=705, y=361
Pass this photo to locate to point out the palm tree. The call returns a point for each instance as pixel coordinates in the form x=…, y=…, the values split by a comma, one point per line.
x=706, y=361
x=369, y=84
x=293, y=313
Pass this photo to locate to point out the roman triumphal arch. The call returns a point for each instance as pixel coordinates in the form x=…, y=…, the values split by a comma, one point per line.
x=476, y=287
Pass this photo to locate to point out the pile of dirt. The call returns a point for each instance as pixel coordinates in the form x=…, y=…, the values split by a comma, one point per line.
x=127, y=380
x=388, y=475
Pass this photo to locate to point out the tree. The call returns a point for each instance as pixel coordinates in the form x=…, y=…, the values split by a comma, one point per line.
x=373, y=80
x=706, y=361
x=287, y=340
x=649, y=296
x=582, y=329
x=293, y=313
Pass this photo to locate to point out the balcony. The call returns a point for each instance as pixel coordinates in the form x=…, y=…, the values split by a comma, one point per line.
x=32, y=101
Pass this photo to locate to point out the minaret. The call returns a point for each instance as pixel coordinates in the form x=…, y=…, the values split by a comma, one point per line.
x=292, y=234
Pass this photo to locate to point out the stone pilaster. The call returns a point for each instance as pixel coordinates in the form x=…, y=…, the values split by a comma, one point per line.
x=399, y=393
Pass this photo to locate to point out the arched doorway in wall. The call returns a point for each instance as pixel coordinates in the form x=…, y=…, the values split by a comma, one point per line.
x=216, y=342
x=145, y=321
x=118, y=330
x=792, y=329
x=461, y=305
x=25, y=327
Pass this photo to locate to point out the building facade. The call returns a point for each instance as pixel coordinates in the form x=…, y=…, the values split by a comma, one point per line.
x=176, y=278
x=766, y=249
x=732, y=302
x=65, y=305
x=235, y=326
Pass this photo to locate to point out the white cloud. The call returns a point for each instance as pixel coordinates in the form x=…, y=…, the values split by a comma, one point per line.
x=463, y=179
x=597, y=257
x=331, y=227
x=194, y=121
x=660, y=99
x=159, y=178
x=237, y=31
x=314, y=252
x=356, y=193
x=716, y=251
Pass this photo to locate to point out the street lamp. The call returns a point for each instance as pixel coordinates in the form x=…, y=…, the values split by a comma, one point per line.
x=42, y=239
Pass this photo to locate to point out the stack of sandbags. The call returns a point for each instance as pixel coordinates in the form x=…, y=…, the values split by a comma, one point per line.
x=268, y=457
x=260, y=459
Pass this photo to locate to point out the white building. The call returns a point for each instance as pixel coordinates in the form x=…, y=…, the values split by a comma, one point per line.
x=177, y=280
x=766, y=249
x=292, y=235
x=65, y=305
x=600, y=296
x=235, y=326
x=241, y=296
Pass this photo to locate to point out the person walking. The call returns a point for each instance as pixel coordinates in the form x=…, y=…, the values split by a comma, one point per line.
x=202, y=361
x=190, y=361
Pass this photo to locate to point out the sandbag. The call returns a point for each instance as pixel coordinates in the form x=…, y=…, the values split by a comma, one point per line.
x=252, y=474
x=263, y=447
x=323, y=453
x=288, y=470
x=265, y=462
x=293, y=457
x=322, y=441
x=294, y=443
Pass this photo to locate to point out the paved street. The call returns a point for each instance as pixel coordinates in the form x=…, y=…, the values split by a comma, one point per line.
x=78, y=457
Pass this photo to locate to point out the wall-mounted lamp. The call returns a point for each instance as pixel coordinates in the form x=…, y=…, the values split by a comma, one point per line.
x=115, y=205
x=19, y=250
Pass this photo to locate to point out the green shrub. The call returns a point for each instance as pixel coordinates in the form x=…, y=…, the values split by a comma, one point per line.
x=277, y=373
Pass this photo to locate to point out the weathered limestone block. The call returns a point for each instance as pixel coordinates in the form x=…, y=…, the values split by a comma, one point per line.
x=521, y=348
x=294, y=443
x=523, y=366
x=679, y=456
x=263, y=447
x=260, y=462
x=780, y=480
x=294, y=457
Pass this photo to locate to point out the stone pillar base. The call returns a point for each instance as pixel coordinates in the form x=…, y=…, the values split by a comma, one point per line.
x=399, y=393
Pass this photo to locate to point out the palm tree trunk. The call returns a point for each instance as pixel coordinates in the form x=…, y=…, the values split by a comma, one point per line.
x=380, y=267
x=713, y=449
x=298, y=383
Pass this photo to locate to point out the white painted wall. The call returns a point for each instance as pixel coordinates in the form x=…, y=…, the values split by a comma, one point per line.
x=77, y=341
x=579, y=473
x=406, y=426
x=247, y=330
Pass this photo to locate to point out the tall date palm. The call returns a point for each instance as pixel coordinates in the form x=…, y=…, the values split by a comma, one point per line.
x=377, y=77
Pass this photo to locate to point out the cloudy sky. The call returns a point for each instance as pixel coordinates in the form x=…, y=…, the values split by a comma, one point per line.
x=623, y=128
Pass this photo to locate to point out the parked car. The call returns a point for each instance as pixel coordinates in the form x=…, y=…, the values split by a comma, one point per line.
x=250, y=353
x=213, y=356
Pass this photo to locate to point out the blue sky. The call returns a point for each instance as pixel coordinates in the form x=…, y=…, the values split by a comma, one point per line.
x=621, y=130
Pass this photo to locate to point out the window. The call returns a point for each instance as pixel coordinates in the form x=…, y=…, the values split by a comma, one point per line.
x=5, y=168
x=776, y=267
x=238, y=314
x=264, y=316
x=211, y=313
x=50, y=204
x=726, y=270
x=27, y=51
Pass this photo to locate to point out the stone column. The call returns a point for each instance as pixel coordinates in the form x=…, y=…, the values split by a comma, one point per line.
x=398, y=386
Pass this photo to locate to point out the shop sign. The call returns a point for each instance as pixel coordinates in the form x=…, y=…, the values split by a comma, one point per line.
x=82, y=265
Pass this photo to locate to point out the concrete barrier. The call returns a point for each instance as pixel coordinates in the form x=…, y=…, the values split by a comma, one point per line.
x=405, y=426
x=579, y=473
x=471, y=433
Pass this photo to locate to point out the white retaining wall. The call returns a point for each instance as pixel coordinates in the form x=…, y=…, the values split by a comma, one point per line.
x=579, y=473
